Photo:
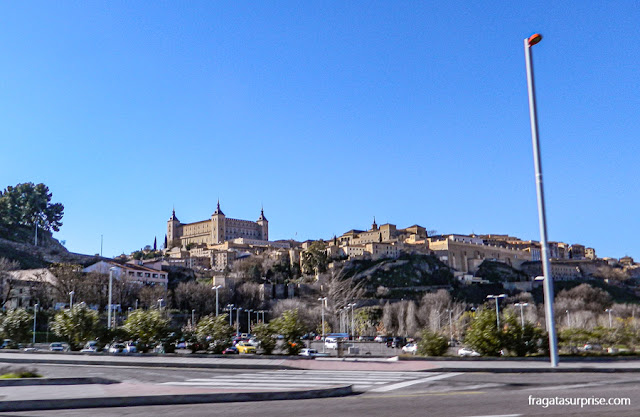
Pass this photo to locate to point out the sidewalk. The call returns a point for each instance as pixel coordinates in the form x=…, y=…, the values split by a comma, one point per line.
x=88, y=394
x=496, y=365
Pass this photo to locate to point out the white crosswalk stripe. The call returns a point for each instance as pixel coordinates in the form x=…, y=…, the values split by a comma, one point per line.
x=380, y=381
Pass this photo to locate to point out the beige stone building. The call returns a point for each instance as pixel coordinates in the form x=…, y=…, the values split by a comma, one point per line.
x=215, y=230
x=466, y=253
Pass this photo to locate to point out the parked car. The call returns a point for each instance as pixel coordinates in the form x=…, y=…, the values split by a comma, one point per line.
x=331, y=343
x=467, y=352
x=130, y=347
x=117, y=348
x=592, y=347
x=380, y=339
x=366, y=338
x=308, y=352
x=56, y=347
x=245, y=347
x=8, y=344
x=90, y=347
x=232, y=350
x=410, y=348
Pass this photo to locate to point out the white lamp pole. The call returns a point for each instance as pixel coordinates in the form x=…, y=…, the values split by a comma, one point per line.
x=35, y=310
x=71, y=293
x=249, y=321
x=496, y=297
x=450, y=311
x=193, y=318
x=238, y=320
x=522, y=306
x=110, y=296
x=323, y=302
x=542, y=217
x=230, y=308
x=217, y=287
x=610, y=322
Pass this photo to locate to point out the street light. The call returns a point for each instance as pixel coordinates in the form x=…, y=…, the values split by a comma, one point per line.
x=496, y=297
x=110, y=296
x=323, y=302
x=238, y=320
x=546, y=267
x=160, y=301
x=216, y=287
x=35, y=310
x=522, y=306
x=71, y=293
x=249, y=321
x=609, y=311
x=451, y=324
x=353, y=330
x=193, y=318
x=568, y=318
x=230, y=309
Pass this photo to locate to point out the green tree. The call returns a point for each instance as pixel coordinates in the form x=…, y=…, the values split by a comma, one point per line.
x=77, y=325
x=521, y=341
x=16, y=325
x=432, y=344
x=266, y=336
x=214, y=332
x=148, y=327
x=483, y=335
x=314, y=259
x=28, y=204
x=292, y=329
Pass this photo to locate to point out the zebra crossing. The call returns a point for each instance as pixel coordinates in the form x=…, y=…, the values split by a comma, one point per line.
x=277, y=380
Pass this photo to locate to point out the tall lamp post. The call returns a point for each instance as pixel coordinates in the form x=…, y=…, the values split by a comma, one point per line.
x=110, y=296
x=249, y=321
x=216, y=287
x=238, y=320
x=542, y=219
x=568, y=318
x=71, y=293
x=450, y=311
x=496, y=297
x=522, y=306
x=323, y=302
x=35, y=310
x=353, y=328
x=610, y=322
x=230, y=308
x=193, y=318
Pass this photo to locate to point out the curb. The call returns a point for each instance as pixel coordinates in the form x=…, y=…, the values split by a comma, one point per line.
x=148, y=364
x=536, y=370
x=103, y=402
x=23, y=382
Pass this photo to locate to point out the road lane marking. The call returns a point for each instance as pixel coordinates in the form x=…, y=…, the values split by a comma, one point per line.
x=415, y=381
x=499, y=415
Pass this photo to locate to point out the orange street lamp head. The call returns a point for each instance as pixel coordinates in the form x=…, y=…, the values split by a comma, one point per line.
x=533, y=39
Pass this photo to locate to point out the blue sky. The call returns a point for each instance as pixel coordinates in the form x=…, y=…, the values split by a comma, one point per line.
x=327, y=113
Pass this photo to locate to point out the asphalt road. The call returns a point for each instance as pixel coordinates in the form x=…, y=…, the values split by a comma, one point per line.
x=464, y=394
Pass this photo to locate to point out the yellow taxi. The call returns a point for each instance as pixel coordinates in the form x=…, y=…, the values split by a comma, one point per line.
x=245, y=347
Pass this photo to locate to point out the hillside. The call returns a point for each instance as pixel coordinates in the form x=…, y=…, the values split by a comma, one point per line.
x=51, y=251
x=409, y=274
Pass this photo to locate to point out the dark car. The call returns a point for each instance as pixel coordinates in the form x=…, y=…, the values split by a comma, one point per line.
x=232, y=350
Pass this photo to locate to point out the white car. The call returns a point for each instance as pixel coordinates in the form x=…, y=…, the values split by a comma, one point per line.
x=90, y=347
x=331, y=343
x=467, y=352
x=410, y=348
x=117, y=348
x=380, y=339
x=56, y=347
x=308, y=352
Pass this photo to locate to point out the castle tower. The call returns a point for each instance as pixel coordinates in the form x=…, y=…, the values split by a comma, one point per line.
x=264, y=225
x=374, y=226
x=173, y=229
x=218, y=226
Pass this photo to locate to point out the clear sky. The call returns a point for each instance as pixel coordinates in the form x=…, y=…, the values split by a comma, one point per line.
x=327, y=113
